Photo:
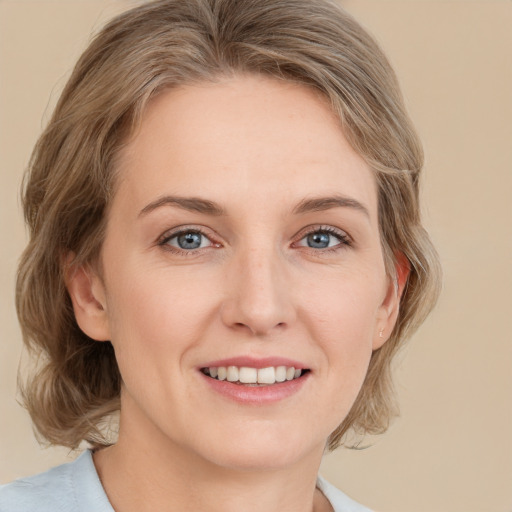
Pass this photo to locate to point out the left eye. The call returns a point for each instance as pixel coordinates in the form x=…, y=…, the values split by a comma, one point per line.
x=322, y=240
x=188, y=240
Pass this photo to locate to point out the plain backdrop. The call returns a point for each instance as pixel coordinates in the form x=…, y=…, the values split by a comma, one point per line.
x=451, y=449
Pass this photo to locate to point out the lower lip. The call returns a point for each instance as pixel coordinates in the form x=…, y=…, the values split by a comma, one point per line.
x=257, y=395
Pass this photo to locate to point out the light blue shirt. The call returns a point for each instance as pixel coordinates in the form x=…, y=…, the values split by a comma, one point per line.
x=76, y=487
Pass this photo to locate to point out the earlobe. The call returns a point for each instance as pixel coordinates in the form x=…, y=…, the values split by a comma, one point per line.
x=391, y=304
x=87, y=294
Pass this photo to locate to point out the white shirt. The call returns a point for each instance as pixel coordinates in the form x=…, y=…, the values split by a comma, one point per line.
x=76, y=487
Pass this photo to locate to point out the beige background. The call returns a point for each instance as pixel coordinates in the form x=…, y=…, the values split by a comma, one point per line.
x=451, y=451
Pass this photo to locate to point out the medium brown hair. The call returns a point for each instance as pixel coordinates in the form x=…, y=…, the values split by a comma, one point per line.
x=70, y=180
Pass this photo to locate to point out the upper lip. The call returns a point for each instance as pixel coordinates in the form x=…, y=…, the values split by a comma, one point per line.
x=253, y=362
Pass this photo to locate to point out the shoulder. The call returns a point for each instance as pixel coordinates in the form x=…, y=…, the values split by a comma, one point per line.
x=340, y=501
x=71, y=487
x=52, y=490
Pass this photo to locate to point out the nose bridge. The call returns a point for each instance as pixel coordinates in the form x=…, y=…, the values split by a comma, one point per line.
x=258, y=292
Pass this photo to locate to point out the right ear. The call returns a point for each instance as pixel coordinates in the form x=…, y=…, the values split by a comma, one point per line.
x=87, y=293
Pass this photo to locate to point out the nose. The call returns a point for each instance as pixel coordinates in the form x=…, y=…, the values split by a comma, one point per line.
x=258, y=293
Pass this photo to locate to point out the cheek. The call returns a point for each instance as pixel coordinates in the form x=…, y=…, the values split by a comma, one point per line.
x=148, y=310
x=153, y=324
x=340, y=318
x=343, y=309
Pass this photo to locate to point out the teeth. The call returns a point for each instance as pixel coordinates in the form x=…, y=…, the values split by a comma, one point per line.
x=248, y=375
x=280, y=373
x=266, y=375
x=232, y=373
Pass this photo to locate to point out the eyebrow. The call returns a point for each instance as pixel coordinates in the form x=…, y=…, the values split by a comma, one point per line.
x=196, y=204
x=193, y=204
x=318, y=204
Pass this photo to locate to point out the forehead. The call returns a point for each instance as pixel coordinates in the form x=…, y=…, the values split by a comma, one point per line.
x=239, y=137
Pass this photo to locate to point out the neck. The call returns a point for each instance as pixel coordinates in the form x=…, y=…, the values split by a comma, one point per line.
x=147, y=473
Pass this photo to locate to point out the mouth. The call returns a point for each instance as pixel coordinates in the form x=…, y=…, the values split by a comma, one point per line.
x=255, y=377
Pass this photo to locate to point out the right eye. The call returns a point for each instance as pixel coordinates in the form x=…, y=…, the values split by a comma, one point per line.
x=186, y=240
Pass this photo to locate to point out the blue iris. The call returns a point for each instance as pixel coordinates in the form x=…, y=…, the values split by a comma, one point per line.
x=318, y=240
x=189, y=240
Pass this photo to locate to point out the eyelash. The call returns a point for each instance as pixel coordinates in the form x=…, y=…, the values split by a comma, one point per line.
x=164, y=241
x=343, y=238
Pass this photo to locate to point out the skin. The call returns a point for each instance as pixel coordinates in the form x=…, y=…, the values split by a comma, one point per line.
x=256, y=147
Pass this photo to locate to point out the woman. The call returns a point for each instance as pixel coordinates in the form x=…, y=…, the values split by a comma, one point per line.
x=226, y=249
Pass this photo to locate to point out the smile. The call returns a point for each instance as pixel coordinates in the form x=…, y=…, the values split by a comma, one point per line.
x=254, y=376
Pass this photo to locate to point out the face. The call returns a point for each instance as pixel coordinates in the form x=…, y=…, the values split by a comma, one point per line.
x=242, y=245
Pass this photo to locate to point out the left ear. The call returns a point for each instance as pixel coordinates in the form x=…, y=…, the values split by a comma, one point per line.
x=388, y=312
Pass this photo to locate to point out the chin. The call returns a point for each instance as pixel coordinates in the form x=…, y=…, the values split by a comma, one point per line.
x=263, y=450
x=255, y=460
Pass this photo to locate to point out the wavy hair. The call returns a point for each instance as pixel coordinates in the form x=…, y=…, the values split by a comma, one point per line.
x=70, y=179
